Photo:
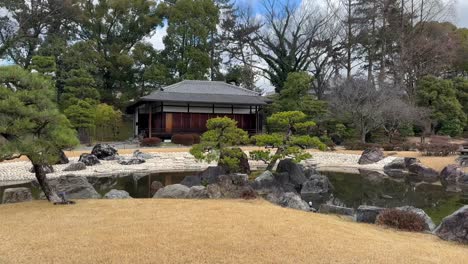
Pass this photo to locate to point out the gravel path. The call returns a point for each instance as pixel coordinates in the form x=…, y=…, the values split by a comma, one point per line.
x=171, y=162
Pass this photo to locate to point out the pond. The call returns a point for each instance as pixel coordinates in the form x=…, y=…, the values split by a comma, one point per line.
x=373, y=188
x=350, y=190
x=137, y=184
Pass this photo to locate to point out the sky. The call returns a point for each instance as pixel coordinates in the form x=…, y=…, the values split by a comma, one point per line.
x=462, y=13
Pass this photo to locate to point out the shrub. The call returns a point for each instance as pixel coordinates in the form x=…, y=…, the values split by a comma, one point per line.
x=184, y=139
x=439, y=149
x=150, y=142
x=402, y=220
x=399, y=146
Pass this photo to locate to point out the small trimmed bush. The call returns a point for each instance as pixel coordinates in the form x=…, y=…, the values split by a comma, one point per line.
x=185, y=139
x=402, y=220
x=150, y=142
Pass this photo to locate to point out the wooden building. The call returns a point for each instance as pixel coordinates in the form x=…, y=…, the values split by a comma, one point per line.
x=185, y=107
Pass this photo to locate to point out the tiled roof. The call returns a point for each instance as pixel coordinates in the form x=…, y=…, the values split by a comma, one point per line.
x=207, y=87
x=204, y=92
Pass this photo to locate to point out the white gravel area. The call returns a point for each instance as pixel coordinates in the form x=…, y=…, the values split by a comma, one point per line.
x=162, y=162
x=332, y=159
x=171, y=162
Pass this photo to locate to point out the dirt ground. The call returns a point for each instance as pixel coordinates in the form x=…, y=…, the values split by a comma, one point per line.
x=203, y=231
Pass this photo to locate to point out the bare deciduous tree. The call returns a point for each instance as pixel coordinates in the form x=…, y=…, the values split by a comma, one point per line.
x=360, y=101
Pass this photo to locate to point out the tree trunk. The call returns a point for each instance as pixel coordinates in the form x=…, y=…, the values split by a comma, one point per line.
x=42, y=180
x=363, y=137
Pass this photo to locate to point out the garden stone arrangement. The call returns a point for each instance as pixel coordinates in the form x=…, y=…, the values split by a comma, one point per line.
x=292, y=185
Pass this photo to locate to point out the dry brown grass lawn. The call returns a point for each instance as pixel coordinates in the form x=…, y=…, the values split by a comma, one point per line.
x=203, y=231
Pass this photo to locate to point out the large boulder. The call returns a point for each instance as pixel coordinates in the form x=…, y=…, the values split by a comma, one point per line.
x=396, y=164
x=232, y=186
x=89, y=159
x=371, y=155
x=335, y=209
x=117, y=194
x=316, y=188
x=74, y=187
x=198, y=192
x=451, y=175
x=191, y=180
x=367, y=214
x=47, y=169
x=234, y=153
x=173, y=191
x=294, y=201
x=102, y=151
x=455, y=226
x=429, y=223
x=76, y=166
x=155, y=186
x=62, y=158
x=210, y=175
x=293, y=170
x=16, y=195
x=265, y=180
x=410, y=161
x=425, y=173
x=131, y=161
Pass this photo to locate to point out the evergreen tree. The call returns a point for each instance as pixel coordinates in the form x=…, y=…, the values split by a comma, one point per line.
x=188, y=40
x=290, y=136
x=31, y=123
x=440, y=97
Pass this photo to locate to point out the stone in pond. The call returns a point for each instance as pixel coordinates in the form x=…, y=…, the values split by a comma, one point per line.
x=455, y=226
x=155, y=186
x=89, y=159
x=425, y=173
x=396, y=164
x=192, y=180
x=102, y=151
x=451, y=174
x=371, y=155
x=117, y=194
x=17, y=195
x=367, y=214
x=172, y=191
x=77, y=166
x=316, y=188
x=74, y=187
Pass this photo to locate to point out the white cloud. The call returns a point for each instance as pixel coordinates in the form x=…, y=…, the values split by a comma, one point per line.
x=156, y=39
